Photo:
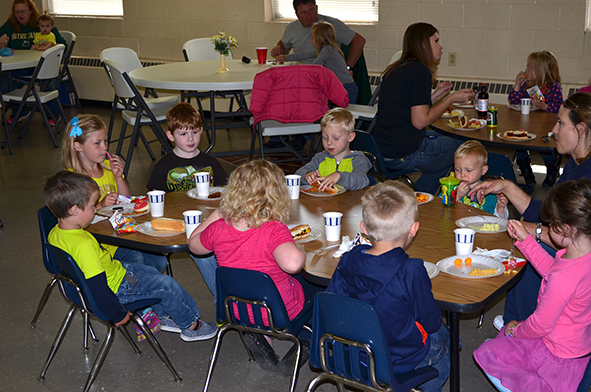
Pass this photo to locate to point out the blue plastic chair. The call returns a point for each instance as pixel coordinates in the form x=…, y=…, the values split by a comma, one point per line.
x=75, y=289
x=247, y=288
x=365, y=142
x=348, y=344
x=47, y=222
x=499, y=166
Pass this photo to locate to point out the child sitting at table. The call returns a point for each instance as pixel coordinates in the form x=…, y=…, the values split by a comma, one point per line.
x=72, y=198
x=248, y=231
x=328, y=54
x=549, y=351
x=85, y=151
x=45, y=36
x=174, y=172
x=337, y=164
x=397, y=286
x=469, y=166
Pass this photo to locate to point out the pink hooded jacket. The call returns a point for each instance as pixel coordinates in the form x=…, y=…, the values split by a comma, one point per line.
x=295, y=93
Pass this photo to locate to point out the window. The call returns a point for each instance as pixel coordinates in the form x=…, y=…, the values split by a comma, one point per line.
x=588, y=18
x=85, y=7
x=345, y=10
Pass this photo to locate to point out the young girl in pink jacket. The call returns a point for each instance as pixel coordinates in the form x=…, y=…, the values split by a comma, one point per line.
x=549, y=351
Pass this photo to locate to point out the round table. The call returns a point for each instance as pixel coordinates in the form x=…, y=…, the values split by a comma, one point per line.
x=21, y=59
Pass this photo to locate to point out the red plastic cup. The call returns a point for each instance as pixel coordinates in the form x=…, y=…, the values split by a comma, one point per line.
x=262, y=55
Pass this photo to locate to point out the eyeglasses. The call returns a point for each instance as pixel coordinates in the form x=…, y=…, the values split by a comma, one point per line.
x=21, y=12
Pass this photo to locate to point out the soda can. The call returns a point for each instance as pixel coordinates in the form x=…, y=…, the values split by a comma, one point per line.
x=492, y=116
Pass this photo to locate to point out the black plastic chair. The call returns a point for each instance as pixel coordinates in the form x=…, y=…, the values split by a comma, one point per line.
x=365, y=142
x=75, y=289
x=348, y=344
x=246, y=288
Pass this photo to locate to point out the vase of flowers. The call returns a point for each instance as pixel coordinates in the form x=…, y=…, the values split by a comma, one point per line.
x=223, y=44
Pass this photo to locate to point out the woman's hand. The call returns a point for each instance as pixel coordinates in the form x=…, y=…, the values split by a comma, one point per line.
x=4, y=41
x=485, y=188
x=462, y=96
x=502, y=202
x=516, y=230
x=519, y=79
x=440, y=91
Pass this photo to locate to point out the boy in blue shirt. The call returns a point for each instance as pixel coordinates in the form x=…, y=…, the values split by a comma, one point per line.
x=72, y=197
x=397, y=286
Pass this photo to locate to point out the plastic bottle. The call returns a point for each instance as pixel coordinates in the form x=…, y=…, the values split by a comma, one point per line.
x=482, y=101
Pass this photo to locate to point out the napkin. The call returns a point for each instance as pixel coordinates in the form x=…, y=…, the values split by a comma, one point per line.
x=98, y=218
x=346, y=245
x=498, y=254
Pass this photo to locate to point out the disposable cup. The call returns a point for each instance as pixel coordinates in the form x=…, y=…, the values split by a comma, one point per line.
x=525, y=105
x=192, y=219
x=202, y=182
x=293, y=185
x=464, y=241
x=262, y=55
x=332, y=225
x=156, y=200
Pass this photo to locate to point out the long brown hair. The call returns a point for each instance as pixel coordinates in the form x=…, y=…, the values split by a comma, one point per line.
x=89, y=124
x=545, y=65
x=579, y=106
x=33, y=22
x=416, y=46
x=568, y=204
x=325, y=35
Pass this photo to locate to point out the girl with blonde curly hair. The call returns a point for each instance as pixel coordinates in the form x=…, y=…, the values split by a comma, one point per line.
x=248, y=231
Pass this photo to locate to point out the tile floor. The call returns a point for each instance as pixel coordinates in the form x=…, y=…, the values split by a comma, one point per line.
x=23, y=279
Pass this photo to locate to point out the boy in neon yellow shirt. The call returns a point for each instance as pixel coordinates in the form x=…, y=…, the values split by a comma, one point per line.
x=337, y=164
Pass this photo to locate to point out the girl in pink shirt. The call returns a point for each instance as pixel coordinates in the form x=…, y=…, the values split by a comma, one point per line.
x=549, y=351
x=248, y=232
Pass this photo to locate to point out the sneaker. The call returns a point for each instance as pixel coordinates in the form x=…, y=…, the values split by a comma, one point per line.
x=24, y=115
x=204, y=332
x=262, y=351
x=498, y=322
x=168, y=325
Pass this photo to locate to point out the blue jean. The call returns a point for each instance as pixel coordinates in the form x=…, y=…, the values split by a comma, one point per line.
x=434, y=158
x=174, y=300
x=126, y=255
x=353, y=91
x=438, y=357
x=207, y=265
x=522, y=299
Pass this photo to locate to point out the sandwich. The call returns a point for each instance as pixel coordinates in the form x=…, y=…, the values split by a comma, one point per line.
x=168, y=224
x=463, y=121
x=331, y=190
x=141, y=206
x=300, y=232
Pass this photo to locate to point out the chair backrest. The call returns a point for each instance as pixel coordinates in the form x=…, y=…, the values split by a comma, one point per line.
x=71, y=41
x=500, y=165
x=47, y=222
x=51, y=60
x=77, y=289
x=200, y=49
x=395, y=57
x=254, y=286
x=122, y=87
x=365, y=142
x=126, y=57
x=344, y=318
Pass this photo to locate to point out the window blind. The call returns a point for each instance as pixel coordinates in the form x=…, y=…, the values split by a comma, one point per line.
x=86, y=7
x=345, y=10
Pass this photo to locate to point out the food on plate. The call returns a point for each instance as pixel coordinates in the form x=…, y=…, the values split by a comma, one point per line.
x=215, y=195
x=520, y=134
x=490, y=227
x=483, y=272
x=422, y=198
x=513, y=271
x=300, y=232
x=141, y=206
x=468, y=261
x=168, y=224
x=331, y=190
x=452, y=112
x=458, y=261
x=464, y=123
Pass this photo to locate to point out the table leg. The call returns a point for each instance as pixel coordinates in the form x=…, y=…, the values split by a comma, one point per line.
x=168, y=266
x=212, y=116
x=454, y=374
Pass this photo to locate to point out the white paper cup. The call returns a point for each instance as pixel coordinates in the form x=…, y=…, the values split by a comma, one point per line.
x=332, y=225
x=202, y=182
x=156, y=200
x=464, y=241
x=192, y=219
x=293, y=185
x=525, y=105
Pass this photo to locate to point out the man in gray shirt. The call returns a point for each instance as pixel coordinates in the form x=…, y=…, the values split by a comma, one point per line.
x=297, y=34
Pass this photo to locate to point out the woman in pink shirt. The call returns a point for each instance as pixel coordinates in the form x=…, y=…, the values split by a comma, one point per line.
x=549, y=351
x=248, y=232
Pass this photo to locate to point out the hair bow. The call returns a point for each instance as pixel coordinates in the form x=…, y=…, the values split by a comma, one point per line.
x=76, y=130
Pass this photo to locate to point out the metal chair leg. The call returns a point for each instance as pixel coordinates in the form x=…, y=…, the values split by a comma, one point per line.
x=481, y=319
x=100, y=359
x=43, y=300
x=58, y=341
x=128, y=337
x=214, y=354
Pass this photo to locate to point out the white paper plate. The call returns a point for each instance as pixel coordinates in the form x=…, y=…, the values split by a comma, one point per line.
x=481, y=121
x=448, y=266
x=530, y=136
x=192, y=193
x=431, y=268
x=476, y=222
x=465, y=105
x=518, y=108
x=126, y=209
x=455, y=113
x=314, y=235
x=305, y=189
x=430, y=196
x=146, y=228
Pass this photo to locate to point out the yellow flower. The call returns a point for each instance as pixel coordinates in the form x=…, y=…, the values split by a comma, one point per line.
x=223, y=44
